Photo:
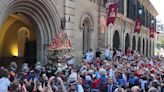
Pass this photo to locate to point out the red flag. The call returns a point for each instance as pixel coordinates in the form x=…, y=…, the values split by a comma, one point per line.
x=112, y=13
x=137, y=26
x=151, y=32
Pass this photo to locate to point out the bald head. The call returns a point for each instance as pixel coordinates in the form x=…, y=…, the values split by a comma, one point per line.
x=136, y=89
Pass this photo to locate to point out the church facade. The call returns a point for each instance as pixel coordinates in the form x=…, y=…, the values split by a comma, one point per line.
x=28, y=26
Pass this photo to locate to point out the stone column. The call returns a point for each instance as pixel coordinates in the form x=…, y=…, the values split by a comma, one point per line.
x=110, y=39
x=69, y=13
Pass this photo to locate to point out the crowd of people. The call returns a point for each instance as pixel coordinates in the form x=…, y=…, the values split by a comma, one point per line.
x=102, y=71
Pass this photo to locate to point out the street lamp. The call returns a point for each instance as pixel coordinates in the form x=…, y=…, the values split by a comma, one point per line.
x=152, y=21
x=140, y=11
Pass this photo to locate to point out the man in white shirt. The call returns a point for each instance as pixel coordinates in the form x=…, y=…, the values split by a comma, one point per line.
x=4, y=84
x=89, y=56
x=108, y=54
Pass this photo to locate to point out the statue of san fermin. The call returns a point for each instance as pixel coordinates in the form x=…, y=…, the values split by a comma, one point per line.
x=59, y=49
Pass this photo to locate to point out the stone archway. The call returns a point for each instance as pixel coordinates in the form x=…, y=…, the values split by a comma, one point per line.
x=139, y=45
x=116, y=40
x=127, y=42
x=42, y=17
x=134, y=43
x=143, y=46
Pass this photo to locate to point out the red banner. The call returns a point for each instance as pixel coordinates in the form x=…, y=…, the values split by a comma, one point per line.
x=151, y=33
x=112, y=13
x=137, y=26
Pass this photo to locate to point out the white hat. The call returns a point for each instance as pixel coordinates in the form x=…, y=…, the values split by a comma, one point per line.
x=102, y=71
x=124, y=57
x=59, y=65
x=72, y=78
x=83, y=71
x=83, y=68
x=88, y=77
x=91, y=72
x=105, y=61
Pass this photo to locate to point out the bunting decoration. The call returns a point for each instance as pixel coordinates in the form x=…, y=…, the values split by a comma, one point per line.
x=151, y=32
x=112, y=13
x=60, y=42
x=137, y=26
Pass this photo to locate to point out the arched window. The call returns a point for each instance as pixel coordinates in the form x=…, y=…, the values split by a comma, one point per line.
x=116, y=40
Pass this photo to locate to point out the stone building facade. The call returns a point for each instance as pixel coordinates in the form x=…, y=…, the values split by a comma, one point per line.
x=40, y=21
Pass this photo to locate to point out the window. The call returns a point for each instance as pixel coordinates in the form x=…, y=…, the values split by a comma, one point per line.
x=104, y=2
x=128, y=8
x=131, y=9
x=155, y=21
x=147, y=15
x=121, y=6
x=143, y=17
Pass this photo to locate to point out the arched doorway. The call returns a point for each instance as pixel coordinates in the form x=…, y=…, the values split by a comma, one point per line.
x=147, y=48
x=127, y=42
x=150, y=48
x=139, y=45
x=134, y=43
x=116, y=40
x=86, y=25
x=143, y=46
x=37, y=20
x=86, y=36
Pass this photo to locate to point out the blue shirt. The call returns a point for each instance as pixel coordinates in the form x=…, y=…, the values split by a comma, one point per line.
x=108, y=54
x=97, y=74
x=132, y=80
x=121, y=82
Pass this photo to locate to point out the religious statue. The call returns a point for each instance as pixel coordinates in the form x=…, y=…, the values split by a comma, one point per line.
x=138, y=26
x=112, y=13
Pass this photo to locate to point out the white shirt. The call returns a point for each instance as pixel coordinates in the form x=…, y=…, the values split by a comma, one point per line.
x=107, y=52
x=89, y=56
x=4, y=83
x=80, y=88
x=111, y=73
x=143, y=84
x=70, y=62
